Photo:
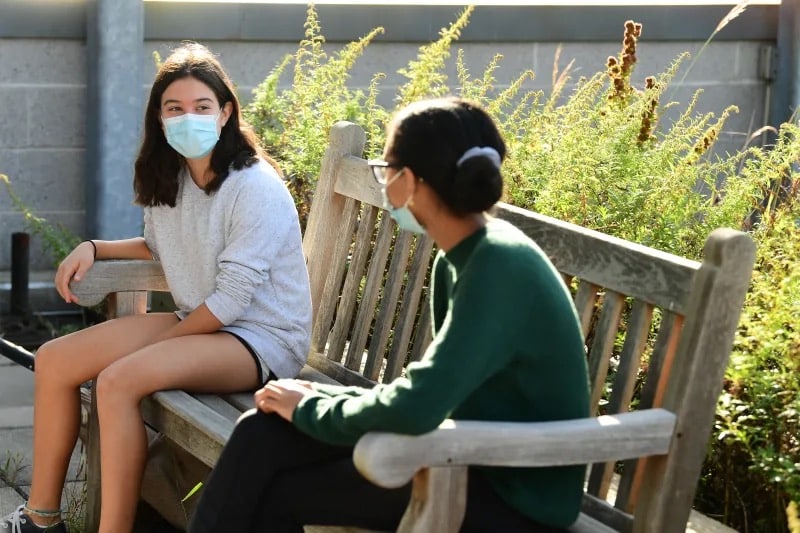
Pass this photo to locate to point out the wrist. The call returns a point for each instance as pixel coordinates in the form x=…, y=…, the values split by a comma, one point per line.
x=94, y=248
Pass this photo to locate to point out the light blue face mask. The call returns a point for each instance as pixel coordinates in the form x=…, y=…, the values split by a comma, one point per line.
x=192, y=136
x=402, y=215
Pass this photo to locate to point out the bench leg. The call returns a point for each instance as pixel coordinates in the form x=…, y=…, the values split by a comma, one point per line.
x=442, y=514
x=92, y=518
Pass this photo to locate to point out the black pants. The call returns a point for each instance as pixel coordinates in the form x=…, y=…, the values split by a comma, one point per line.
x=273, y=478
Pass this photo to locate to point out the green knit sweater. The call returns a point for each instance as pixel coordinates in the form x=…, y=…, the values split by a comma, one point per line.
x=507, y=346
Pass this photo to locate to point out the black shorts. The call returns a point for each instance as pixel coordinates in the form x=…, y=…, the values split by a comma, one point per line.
x=256, y=359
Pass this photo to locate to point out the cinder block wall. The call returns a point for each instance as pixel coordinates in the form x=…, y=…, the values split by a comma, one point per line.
x=43, y=90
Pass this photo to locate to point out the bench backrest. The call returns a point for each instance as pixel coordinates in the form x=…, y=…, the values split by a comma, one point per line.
x=658, y=327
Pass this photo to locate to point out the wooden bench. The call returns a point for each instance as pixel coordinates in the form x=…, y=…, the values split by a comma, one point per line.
x=659, y=330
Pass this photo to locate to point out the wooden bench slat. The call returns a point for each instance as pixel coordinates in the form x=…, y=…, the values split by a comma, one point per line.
x=605, y=334
x=384, y=321
x=195, y=427
x=337, y=339
x=336, y=269
x=409, y=309
x=369, y=297
x=585, y=301
x=636, y=334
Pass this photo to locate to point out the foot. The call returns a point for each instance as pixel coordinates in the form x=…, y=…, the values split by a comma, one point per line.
x=20, y=522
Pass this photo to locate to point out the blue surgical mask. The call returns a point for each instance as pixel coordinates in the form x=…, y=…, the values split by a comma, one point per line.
x=192, y=136
x=402, y=215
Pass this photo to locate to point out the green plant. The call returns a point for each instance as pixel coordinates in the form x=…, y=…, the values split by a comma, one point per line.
x=293, y=123
x=11, y=467
x=58, y=241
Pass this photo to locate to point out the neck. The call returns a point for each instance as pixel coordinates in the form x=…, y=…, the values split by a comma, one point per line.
x=450, y=230
x=200, y=169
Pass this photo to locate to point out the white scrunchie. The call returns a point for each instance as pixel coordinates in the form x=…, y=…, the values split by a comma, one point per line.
x=486, y=151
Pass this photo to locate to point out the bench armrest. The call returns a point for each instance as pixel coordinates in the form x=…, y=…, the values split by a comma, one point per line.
x=128, y=275
x=391, y=460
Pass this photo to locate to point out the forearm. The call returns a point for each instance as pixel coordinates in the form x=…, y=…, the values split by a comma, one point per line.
x=198, y=322
x=134, y=248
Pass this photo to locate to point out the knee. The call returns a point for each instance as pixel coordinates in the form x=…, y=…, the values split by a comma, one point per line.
x=114, y=386
x=256, y=425
x=49, y=362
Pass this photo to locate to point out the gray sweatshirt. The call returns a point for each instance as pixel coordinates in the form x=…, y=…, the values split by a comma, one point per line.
x=239, y=251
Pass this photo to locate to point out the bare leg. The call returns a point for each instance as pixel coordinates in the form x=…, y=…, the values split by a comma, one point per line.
x=215, y=362
x=61, y=366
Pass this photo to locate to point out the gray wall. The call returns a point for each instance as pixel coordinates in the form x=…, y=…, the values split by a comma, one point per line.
x=43, y=69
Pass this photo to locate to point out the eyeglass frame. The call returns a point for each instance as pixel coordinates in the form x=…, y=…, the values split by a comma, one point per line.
x=379, y=166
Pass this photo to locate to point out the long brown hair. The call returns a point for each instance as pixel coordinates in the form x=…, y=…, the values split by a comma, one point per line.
x=155, y=179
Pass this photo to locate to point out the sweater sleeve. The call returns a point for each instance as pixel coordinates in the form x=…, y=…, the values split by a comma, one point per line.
x=262, y=215
x=149, y=234
x=476, y=339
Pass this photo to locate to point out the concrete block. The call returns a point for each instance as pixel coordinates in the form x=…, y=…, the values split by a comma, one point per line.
x=46, y=180
x=14, y=131
x=748, y=60
x=248, y=63
x=586, y=60
x=57, y=116
x=43, y=61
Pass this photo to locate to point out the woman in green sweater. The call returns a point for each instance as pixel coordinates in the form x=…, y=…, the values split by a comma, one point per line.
x=507, y=346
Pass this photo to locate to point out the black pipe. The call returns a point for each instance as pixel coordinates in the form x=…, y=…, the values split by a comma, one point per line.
x=16, y=353
x=20, y=267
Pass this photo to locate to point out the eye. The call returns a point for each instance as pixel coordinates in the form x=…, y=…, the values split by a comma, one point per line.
x=203, y=108
x=173, y=109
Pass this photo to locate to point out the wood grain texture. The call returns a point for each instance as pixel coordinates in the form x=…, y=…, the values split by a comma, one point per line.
x=337, y=265
x=384, y=321
x=438, y=501
x=390, y=460
x=325, y=218
x=656, y=277
x=106, y=277
x=351, y=290
x=369, y=297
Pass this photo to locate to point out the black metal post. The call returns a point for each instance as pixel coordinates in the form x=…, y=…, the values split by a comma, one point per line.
x=20, y=268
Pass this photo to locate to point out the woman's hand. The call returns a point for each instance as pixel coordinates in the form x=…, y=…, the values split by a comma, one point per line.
x=74, y=267
x=282, y=396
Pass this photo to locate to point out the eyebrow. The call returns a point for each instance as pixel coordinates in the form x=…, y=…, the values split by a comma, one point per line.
x=173, y=101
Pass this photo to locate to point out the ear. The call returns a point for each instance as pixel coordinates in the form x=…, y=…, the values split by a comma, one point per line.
x=225, y=113
x=409, y=180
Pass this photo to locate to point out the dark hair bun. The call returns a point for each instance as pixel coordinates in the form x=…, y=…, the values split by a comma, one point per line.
x=478, y=186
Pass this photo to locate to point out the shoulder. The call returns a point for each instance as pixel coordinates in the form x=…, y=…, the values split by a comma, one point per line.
x=258, y=183
x=505, y=241
x=259, y=175
x=505, y=249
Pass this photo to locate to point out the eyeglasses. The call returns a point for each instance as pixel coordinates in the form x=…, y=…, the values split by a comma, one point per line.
x=379, y=169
